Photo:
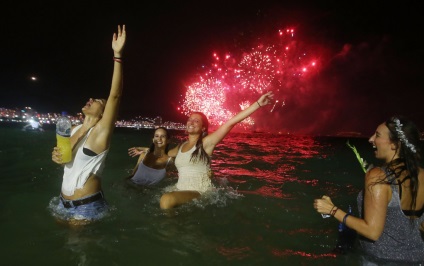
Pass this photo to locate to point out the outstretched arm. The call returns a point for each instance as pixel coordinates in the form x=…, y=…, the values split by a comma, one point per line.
x=211, y=140
x=107, y=123
x=140, y=158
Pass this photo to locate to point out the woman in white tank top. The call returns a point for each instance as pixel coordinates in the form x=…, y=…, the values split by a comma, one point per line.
x=81, y=198
x=193, y=156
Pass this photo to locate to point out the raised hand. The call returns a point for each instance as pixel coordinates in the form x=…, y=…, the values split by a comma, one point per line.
x=266, y=98
x=136, y=151
x=118, y=41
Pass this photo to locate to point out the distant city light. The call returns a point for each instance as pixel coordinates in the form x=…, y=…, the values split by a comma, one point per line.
x=27, y=115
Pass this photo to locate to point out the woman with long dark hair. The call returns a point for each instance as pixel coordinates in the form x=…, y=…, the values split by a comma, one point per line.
x=391, y=205
x=153, y=162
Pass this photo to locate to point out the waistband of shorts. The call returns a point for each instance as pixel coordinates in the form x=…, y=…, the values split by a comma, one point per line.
x=75, y=203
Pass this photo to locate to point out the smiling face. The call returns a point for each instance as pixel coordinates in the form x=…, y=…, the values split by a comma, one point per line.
x=94, y=107
x=384, y=148
x=160, y=138
x=195, y=124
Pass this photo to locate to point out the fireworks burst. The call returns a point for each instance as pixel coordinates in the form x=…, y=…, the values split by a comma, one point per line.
x=229, y=83
x=256, y=71
x=208, y=96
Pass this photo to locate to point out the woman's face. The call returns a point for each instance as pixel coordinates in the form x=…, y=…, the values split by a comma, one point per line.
x=160, y=139
x=195, y=124
x=94, y=107
x=384, y=148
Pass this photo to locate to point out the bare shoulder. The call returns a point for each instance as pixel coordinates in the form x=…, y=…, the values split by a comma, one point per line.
x=375, y=174
x=420, y=182
x=420, y=174
x=173, y=151
x=375, y=181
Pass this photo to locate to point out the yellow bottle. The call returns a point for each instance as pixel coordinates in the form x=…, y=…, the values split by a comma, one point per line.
x=63, y=137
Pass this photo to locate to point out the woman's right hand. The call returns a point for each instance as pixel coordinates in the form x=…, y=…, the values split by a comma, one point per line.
x=57, y=155
x=136, y=151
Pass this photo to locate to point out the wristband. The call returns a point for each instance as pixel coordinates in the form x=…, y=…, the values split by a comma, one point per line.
x=344, y=218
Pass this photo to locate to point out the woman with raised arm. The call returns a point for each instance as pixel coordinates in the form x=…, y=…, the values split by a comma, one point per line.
x=391, y=205
x=81, y=198
x=193, y=157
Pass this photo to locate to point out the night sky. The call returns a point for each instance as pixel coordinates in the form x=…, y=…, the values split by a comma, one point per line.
x=371, y=57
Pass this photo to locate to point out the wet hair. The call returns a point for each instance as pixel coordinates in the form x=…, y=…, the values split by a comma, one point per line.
x=199, y=153
x=168, y=136
x=404, y=135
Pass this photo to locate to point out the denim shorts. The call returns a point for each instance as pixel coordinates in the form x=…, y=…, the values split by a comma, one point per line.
x=89, y=212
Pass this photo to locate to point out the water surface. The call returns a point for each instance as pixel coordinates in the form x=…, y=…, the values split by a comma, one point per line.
x=261, y=214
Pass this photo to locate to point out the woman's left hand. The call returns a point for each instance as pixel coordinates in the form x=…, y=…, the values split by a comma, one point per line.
x=323, y=205
x=57, y=155
x=118, y=41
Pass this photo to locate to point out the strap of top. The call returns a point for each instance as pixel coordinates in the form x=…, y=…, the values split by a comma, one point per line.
x=167, y=162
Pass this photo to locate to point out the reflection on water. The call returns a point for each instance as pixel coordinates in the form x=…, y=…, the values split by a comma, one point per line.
x=268, y=160
x=260, y=214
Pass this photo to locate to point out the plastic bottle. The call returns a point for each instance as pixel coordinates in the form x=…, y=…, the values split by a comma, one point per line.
x=346, y=238
x=63, y=135
x=350, y=234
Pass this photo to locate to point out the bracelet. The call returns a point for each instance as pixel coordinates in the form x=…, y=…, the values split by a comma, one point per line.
x=333, y=211
x=117, y=59
x=344, y=218
x=258, y=103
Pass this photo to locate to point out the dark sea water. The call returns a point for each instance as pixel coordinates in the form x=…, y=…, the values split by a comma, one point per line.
x=261, y=214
